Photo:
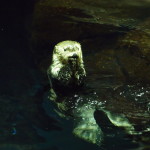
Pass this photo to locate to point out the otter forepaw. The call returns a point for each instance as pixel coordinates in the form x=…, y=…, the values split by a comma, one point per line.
x=64, y=74
x=52, y=95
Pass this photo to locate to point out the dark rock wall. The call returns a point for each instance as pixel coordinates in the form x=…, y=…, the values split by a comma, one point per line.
x=117, y=34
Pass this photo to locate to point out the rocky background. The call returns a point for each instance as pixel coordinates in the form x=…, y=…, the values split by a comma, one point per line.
x=116, y=33
x=115, y=38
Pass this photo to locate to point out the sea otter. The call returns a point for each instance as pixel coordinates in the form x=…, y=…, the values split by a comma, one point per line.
x=67, y=68
x=67, y=71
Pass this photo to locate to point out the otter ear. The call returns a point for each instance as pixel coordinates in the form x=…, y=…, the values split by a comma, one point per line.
x=55, y=48
x=79, y=47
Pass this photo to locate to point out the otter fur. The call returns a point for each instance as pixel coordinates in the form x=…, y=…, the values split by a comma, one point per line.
x=67, y=68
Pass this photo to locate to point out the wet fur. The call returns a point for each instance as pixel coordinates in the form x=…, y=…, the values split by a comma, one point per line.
x=65, y=70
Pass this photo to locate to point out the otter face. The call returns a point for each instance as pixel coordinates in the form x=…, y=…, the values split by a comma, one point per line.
x=68, y=52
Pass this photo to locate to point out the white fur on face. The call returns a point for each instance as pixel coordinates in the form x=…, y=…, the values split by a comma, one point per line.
x=62, y=52
x=68, y=48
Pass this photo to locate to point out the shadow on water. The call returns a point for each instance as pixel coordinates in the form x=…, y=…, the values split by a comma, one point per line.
x=112, y=110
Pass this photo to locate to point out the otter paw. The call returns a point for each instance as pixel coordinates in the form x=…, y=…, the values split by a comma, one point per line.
x=64, y=74
x=81, y=73
x=52, y=95
x=89, y=132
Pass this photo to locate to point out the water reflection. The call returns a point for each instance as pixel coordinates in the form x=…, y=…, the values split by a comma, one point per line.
x=123, y=114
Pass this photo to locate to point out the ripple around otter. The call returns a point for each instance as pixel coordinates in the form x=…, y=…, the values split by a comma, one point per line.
x=98, y=120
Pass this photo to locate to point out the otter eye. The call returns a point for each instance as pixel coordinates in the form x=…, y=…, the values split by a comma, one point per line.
x=77, y=48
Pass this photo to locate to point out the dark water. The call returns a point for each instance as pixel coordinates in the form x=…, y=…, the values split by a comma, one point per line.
x=28, y=119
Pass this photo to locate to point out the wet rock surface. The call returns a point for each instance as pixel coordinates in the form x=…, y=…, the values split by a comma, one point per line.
x=117, y=29
x=115, y=39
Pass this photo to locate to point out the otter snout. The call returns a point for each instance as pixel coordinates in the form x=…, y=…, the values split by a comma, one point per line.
x=73, y=60
x=74, y=56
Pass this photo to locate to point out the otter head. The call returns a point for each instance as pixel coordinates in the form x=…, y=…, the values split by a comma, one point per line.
x=68, y=52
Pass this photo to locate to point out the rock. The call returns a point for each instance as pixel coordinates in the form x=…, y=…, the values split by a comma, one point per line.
x=100, y=27
x=134, y=55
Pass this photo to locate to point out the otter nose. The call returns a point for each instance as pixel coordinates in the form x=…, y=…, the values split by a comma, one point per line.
x=74, y=55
